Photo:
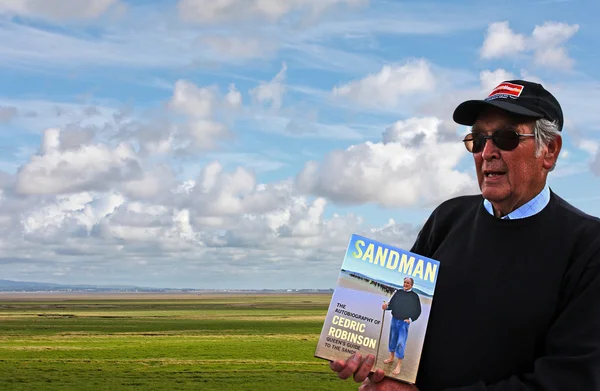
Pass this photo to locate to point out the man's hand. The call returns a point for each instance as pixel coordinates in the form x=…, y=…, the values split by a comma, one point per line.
x=355, y=366
x=386, y=384
x=360, y=370
x=407, y=321
x=384, y=306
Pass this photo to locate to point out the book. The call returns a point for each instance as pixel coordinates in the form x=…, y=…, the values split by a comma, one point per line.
x=381, y=302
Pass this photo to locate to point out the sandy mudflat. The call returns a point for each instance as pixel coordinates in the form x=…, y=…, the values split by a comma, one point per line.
x=6, y=296
x=416, y=332
x=15, y=296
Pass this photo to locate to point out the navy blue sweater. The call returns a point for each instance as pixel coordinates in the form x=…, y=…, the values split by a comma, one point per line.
x=517, y=302
x=405, y=305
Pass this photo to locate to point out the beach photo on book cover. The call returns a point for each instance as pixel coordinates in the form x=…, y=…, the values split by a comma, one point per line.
x=380, y=306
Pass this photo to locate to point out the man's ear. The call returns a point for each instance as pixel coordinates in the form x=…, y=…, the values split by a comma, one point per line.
x=552, y=152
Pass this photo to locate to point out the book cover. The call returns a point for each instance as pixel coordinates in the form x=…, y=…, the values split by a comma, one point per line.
x=380, y=306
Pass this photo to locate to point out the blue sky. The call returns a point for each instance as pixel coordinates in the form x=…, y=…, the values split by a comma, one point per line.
x=239, y=144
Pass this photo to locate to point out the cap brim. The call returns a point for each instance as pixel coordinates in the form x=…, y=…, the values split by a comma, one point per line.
x=467, y=112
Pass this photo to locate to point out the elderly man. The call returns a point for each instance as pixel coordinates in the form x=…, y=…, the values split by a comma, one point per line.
x=517, y=303
x=406, y=308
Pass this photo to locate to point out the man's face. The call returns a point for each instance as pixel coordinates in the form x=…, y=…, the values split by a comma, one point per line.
x=509, y=179
x=407, y=284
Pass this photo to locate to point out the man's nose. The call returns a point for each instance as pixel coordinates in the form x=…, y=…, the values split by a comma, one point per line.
x=490, y=150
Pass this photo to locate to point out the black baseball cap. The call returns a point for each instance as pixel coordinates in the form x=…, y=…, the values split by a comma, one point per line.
x=519, y=97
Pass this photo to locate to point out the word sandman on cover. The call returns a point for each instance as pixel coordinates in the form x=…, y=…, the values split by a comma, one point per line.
x=392, y=260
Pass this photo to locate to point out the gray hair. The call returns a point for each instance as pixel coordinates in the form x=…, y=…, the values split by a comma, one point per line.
x=545, y=131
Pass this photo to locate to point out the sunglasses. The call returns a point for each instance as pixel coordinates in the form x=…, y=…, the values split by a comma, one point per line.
x=506, y=140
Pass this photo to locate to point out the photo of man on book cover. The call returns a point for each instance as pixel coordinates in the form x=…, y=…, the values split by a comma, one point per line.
x=405, y=307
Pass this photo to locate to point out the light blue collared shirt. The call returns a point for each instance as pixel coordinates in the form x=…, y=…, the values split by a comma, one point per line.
x=535, y=205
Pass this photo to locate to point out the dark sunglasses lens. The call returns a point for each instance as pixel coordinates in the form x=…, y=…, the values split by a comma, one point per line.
x=478, y=143
x=506, y=139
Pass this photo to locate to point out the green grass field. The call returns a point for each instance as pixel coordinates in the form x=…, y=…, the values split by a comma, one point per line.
x=185, y=342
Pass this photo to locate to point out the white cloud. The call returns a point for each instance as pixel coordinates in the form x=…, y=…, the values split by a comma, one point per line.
x=51, y=141
x=501, y=41
x=589, y=146
x=491, y=79
x=233, y=47
x=137, y=222
x=271, y=93
x=200, y=131
x=222, y=218
x=61, y=9
x=304, y=220
x=91, y=167
x=390, y=86
x=188, y=122
x=217, y=193
x=77, y=126
x=233, y=97
x=192, y=100
x=194, y=211
x=212, y=11
x=553, y=34
x=443, y=104
x=394, y=233
x=546, y=43
x=204, y=134
x=554, y=57
x=84, y=207
x=74, y=137
x=153, y=183
x=411, y=167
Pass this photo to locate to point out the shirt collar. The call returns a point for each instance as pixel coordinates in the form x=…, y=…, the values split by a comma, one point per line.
x=534, y=206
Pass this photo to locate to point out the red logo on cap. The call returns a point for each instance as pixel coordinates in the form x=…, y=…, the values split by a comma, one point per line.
x=505, y=90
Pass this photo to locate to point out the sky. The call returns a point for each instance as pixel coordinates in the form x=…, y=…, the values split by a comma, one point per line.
x=238, y=144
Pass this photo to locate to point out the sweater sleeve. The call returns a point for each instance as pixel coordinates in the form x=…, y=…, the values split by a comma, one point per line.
x=416, y=311
x=390, y=303
x=571, y=359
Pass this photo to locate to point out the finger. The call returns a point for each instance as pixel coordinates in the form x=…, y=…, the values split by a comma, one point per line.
x=337, y=365
x=367, y=386
x=364, y=369
x=377, y=376
x=351, y=366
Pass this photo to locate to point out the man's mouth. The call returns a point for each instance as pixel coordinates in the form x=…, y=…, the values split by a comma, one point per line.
x=493, y=174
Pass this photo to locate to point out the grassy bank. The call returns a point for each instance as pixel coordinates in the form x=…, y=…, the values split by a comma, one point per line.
x=189, y=342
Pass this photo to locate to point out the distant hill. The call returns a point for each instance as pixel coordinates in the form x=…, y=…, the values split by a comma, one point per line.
x=29, y=286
